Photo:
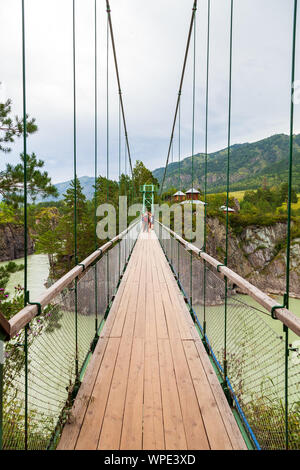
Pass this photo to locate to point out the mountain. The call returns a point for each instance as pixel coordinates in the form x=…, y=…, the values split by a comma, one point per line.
x=87, y=183
x=251, y=164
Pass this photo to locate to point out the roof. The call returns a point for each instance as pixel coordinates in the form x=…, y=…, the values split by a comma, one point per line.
x=179, y=193
x=224, y=208
x=193, y=190
x=193, y=202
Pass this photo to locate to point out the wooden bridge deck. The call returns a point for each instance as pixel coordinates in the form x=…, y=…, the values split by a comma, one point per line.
x=150, y=384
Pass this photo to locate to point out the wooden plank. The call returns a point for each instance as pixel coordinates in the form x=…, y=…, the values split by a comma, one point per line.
x=172, y=325
x=112, y=424
x=230, y=423
x=161, y=323
x=153, y=437
x=140, y=324
x=91, y=427
x=5, y=325
x=175, y=437
x=196, y=436
x=72, y=427
x=132, y=282
x=113, y=315
x=132, y=430
x=173, y=292
x=214, y=425
x=173, y=331
x=150, y=330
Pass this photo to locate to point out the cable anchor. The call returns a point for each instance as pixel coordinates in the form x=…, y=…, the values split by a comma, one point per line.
x=39, y=307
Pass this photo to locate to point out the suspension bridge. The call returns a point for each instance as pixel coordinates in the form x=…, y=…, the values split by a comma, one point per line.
x=146, y=343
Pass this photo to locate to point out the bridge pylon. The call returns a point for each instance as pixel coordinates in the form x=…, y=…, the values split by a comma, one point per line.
x=148, y=191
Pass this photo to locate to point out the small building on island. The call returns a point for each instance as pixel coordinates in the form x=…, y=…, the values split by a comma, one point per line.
x=224, y=209
x=192, y=194
x=179, y=196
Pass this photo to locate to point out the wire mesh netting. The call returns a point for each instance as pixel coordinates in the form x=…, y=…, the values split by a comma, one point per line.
x=58, y=342
x=254, y=345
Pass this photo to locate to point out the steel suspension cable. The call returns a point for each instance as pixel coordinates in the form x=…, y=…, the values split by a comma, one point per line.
x=25, y=226
x=95, y=158
x=227, y=190
x=119, y=181
x=288, y=249
x=290, y=174
x=108, y=9
x=180, y=90
x=179, y=177
x=205, y=168
x=107, y=145
x=75, y=188
x=74, y=136
x=179, y=144
x=107, y=111
x=193, y=151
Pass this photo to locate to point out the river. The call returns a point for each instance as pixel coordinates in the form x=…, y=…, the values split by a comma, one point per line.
x=38, y=271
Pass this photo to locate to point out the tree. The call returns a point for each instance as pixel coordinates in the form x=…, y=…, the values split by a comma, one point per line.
x=10, y=128
x=12, y=181
x=56, y=233
x=284, y=191
x=141, y=175
x=6, y=271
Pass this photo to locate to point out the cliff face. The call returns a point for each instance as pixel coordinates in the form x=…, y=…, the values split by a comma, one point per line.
x=12, y=242
x=258, y=254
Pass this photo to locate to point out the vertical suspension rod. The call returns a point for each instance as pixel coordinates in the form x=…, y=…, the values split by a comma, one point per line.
x=118, y=80
x=180, y=89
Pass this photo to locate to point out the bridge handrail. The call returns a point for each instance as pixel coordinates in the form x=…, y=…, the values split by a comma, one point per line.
x=24, y=316
x=282, y=314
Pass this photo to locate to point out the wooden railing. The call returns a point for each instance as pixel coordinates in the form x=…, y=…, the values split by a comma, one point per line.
x=282, y=314
x=22, y=318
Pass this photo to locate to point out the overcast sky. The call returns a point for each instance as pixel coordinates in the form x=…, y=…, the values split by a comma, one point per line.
x=150, y=40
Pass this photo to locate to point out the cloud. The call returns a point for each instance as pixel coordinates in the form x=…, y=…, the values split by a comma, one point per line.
x=150, y=40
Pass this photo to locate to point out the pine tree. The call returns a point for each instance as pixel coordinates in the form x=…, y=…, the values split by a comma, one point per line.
x=12, y=178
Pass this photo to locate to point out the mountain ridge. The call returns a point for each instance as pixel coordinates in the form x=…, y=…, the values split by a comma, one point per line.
x=251, y=165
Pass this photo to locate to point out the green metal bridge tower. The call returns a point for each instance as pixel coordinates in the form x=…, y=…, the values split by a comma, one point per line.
x=148, y=191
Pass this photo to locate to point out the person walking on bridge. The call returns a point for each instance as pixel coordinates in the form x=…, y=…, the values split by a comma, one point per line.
x=151, y=220
x=145, y=220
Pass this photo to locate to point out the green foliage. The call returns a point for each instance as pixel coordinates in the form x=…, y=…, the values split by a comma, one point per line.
x=141, y=175
x=7, y=214
x=12, y=127
x=40, y=425
x=238, y=222
x=215, y=201
x=12, y=178
x=167, y=195
x=6, y=270
x=267, y=200
x=12, y=181
x=55, y=231
x=271, y=415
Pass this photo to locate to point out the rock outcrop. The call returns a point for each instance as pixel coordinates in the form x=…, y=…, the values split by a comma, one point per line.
x=12, y=242
x=258, y=254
